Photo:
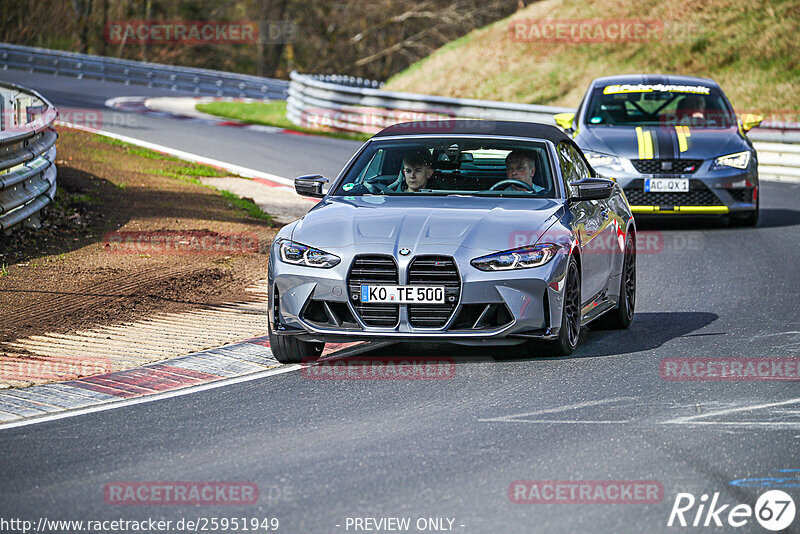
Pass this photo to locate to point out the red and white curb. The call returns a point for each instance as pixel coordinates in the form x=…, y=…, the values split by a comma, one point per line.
x=237, y=362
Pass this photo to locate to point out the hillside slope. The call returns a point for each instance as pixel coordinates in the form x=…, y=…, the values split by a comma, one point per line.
x=749, y=46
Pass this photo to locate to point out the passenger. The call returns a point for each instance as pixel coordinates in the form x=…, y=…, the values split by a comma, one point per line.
x=417, y=169
x=520, y=166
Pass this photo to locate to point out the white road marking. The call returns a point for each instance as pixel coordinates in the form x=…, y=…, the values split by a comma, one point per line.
x=689, y=418
x=116, y=402
x=187, y=156
x=694, y=419
x=112, y=404
x=522, y=417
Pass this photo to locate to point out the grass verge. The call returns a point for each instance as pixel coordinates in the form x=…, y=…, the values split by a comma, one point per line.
x=748, y=47
x=269, y=114
x=189, y=172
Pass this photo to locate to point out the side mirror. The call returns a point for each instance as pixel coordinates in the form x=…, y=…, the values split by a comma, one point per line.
x=591, y=189
x=565, y=120
x=310, y=185
x=750, y=121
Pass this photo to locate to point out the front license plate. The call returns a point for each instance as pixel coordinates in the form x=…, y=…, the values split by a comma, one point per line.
x=666, y=185
x=403, y=294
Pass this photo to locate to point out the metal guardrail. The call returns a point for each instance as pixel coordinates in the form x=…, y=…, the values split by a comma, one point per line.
x=193, y=80
x=361, y=106
x=356, y=105
x=778, y=161
x=27, y=156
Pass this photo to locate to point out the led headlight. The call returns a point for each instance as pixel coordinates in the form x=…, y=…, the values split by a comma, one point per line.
x=740, y=160
x=598, y=161
x=518, y=258
x=298, y=254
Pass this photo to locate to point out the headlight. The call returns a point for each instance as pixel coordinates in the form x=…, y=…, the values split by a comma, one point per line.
x=596, y=160
x=740, y=160
x=298, y=254
x=518, y=258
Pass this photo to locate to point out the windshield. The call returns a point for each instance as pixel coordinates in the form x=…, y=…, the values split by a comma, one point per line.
x=659, y=105
x=451, y=166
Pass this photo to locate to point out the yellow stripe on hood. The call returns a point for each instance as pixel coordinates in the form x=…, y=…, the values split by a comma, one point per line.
x=645, y=140
x=683, y=134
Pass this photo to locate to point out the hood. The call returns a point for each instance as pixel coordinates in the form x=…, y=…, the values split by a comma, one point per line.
x=665, y=142
x=404, y=221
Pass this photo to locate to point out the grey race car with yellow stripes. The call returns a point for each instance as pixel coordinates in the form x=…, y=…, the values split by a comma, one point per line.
x=673, y=143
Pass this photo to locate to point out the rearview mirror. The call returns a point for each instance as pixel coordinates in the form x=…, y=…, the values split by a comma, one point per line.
x=310, y=185
x=591, y=189
x=565, y=120
x=750, y=121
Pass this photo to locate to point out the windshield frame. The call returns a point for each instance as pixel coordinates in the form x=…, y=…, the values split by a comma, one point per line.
x=555, y=169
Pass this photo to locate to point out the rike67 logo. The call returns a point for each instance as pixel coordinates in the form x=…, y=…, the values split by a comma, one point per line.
x=774, y=510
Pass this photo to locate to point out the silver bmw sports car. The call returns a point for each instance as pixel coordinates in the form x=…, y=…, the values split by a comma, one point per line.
x=470, y=232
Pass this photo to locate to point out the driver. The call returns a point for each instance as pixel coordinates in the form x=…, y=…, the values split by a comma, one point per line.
x=692, y=107
x=520, y=166
x=417, y=169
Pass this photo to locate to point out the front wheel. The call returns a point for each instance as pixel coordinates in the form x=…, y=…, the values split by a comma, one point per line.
x=570, y=329
x=288, y=349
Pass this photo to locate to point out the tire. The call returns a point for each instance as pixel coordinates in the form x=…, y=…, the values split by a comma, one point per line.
x=288, y=349
x=748, y=219
x=621, y=316
x=570, y=330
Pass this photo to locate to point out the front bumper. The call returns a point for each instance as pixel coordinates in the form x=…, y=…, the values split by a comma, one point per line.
x=711, y=192
x=499, y=308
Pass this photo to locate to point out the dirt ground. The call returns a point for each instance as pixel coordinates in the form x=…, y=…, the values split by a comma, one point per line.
x=131, y=232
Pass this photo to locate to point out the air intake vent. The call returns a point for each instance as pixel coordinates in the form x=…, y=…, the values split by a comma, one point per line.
x=434, y=271
x=373, y=270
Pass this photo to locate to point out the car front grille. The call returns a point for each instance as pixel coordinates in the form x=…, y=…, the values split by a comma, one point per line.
x=699, y=195
x=374, y=270
x=666, y=166
x=434, y=271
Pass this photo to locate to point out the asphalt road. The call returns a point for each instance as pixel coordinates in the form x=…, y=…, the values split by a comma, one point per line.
x=322, y=451
x=276, y=153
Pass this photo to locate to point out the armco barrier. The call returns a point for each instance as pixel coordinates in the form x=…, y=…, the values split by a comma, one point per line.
x=27, y=155
x=197, y=81
x=357, y=105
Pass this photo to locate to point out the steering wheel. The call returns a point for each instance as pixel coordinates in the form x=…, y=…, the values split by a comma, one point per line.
x=373, y=186
x=510, y=181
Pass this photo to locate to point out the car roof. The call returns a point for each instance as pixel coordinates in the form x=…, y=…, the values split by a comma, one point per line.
x=653, y=79
x=476, y=127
